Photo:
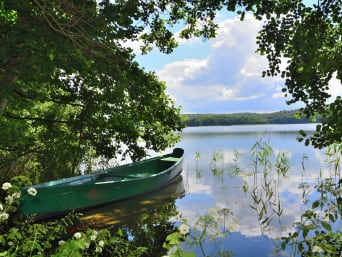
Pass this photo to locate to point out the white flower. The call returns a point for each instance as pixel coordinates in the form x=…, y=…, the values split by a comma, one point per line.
x=101, y=243
x=16, y=195
x=77, y=235
x=1, y=207
x=10, y=243
x=317, y=249
x=6, y=186
x=92, y=237
x=32, y=191
x=98, y=250
x=86, y=245
x=61, y=242
x=9, y=199
x=4, y=216
x=184, y=229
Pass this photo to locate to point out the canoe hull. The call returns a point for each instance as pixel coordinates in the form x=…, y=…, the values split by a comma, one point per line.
x=125, y=211
x=110, y=185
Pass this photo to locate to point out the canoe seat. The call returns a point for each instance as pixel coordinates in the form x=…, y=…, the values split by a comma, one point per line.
x=139, y=175
x=103, y=179
x=170, y=159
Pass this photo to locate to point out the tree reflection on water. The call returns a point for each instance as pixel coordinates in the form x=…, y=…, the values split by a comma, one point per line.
x=145, y=221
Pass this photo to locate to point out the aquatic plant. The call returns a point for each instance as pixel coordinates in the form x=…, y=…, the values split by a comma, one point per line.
x=318, y=233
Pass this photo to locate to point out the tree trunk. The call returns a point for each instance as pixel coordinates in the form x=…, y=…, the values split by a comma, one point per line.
x=3, y=104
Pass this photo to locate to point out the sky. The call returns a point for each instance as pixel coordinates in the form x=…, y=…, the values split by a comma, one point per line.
x=221, y=75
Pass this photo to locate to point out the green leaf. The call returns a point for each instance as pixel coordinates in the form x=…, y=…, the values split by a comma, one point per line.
x=283, y=245
x=51, y=56
x=326, y=225
x=315, y=204
x=339, y=201
x=300, y=69
x=120, y=232
x=189, y=254
x=305, y=231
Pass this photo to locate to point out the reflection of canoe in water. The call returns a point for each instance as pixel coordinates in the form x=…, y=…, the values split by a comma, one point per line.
x=81, y=192
x=126, y=211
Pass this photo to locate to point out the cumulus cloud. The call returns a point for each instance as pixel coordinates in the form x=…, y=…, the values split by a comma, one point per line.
x=229, y=78
x=176, y=73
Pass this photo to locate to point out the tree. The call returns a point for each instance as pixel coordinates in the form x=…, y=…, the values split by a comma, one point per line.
x=69, y=87
x=310, y=38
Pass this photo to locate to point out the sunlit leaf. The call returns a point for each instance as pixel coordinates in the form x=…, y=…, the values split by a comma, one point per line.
x=326, y=225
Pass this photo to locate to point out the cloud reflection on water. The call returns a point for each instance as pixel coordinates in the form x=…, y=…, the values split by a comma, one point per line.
x=214, y=193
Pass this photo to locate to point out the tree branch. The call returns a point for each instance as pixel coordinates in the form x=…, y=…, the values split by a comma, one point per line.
x=11, y=116
x=72, y=28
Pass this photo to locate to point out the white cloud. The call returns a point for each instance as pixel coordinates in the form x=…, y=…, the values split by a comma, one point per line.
x=232, y=33
x=230, y=73
x=335, y=87
x=134, y=45
x=253, y=66
x=278, y=93
x=176, y=72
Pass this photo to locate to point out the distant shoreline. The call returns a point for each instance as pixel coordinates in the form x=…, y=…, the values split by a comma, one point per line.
x=244, y=118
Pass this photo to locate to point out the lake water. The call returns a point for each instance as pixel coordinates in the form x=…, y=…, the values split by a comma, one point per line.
x=238, y=225
x=233, y=205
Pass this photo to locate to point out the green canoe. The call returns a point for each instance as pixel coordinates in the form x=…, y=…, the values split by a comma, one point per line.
x=81, y=192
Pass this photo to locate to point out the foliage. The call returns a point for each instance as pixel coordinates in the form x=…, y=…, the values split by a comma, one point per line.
x=309, y=38
x=317, y=233
x=213, y=225
x=264, y=191
x=68, y=86
x=25, y=237
x=282, y=117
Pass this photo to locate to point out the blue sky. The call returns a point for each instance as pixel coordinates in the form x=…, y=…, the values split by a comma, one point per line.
x=222, y=75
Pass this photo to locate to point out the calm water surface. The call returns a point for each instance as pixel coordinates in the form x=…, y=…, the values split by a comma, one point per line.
x=224, y=193
x=212, y=191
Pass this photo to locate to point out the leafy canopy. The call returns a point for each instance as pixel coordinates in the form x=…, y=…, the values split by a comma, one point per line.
x=69, y=83
x=68, y=86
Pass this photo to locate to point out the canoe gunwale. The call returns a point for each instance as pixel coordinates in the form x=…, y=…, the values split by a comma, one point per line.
x=66, y=182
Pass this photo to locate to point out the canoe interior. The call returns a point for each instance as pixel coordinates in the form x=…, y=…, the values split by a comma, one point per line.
x=130, y=171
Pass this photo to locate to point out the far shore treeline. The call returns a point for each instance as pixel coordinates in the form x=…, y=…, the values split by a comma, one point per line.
x=281, y=117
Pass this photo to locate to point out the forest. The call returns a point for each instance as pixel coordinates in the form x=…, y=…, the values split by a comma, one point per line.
x=281, y=117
